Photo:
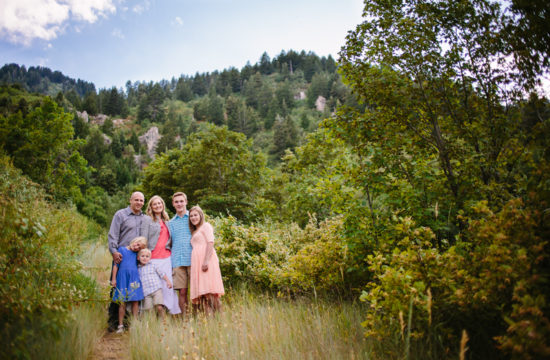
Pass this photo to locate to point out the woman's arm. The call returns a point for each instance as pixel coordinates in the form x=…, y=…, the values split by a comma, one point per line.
x=207, y=255
x=144, y=230
x=169, y=241
x=209, y=235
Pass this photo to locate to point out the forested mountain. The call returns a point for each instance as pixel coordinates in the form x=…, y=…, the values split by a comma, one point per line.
x=274, y=103
x=43, y=80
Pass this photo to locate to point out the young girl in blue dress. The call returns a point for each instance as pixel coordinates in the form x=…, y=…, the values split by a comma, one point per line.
x=126, y=280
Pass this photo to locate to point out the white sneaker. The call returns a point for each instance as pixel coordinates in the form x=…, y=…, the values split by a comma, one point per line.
x=120, y=329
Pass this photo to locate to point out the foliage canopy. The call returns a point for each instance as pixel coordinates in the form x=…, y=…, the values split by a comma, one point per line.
x=216, y=168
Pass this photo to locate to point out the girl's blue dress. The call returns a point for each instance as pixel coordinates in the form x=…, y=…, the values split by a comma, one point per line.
x=128, y=285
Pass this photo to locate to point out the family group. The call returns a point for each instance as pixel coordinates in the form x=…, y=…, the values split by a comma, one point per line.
x=160, y=262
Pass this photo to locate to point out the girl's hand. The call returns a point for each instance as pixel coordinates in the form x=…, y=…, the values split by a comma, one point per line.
x=113, y=283
x=204, y=267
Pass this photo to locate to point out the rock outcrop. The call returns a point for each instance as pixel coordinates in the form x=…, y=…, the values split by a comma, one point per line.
x=99, y=119
x=83, y=115
x=320, y=103
x=107, y=140
x=119, y=122
x=300, y=96
x=150, y=139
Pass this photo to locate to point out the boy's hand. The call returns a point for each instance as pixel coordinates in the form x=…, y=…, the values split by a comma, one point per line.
x=168, y=284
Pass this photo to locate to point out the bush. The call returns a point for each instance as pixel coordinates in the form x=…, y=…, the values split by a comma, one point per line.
x=491, y=284
x=40, y=278
x=284, y=257
x=251, y=253
x=322, y=263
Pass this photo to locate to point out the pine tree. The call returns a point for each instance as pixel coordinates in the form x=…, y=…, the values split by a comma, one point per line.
x=183, y=90
x=214, y=111
x=90, y=103
x=265, y=67
x=285, y=135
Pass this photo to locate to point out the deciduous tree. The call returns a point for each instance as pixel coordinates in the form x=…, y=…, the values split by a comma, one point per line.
x=216, y=168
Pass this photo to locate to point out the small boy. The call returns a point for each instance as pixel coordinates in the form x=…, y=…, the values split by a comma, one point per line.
x=151, y=281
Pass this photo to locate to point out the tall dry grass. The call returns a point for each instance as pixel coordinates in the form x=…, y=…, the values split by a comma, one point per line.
x=97, y=262
x=88, y=319
x=255, y=327
x=79, y=336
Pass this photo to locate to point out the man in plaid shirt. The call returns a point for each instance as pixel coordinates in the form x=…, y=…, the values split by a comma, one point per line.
x=151, y=282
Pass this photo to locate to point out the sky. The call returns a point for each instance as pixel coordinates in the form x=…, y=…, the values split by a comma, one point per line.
x=108, y=42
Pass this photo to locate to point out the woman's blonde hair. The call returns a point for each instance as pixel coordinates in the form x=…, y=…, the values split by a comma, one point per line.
x=140, y=240
x=198, y=209
x=149, y=211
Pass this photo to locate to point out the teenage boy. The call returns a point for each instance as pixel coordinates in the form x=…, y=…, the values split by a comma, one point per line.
x=181, y=249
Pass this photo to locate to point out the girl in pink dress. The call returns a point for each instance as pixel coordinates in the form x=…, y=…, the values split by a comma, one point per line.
x=206, y=279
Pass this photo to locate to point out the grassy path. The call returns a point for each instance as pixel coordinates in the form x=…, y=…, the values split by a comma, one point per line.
x=251, y=326
x=112, y=346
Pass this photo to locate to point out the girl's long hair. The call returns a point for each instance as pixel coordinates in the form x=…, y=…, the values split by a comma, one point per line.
x=198, y=209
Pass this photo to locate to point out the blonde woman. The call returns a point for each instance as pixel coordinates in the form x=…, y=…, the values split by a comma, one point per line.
x=206, y=278
x=154, y=228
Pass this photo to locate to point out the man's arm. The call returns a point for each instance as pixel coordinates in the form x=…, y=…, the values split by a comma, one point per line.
x=114, y=237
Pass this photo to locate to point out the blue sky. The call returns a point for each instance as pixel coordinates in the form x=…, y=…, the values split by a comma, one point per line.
x=109, y=42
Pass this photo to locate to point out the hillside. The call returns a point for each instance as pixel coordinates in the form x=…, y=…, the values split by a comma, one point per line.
x=42, y=80
x=275, y=103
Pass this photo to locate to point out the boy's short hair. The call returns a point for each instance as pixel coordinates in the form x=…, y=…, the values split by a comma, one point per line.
x=140, y=240
x=179, y=193
x=145, y=250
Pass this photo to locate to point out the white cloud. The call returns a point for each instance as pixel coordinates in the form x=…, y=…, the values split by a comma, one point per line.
x=140, y=8
x=91, y=10
x=43, y=62
x=117, y=33
x=21, y=21
x=177, y=21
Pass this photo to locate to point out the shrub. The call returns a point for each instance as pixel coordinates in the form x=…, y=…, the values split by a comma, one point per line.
x=491, y=284
x=284, y=257
x=39, y=276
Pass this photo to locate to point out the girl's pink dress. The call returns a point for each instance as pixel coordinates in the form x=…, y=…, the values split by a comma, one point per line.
x=204, y=282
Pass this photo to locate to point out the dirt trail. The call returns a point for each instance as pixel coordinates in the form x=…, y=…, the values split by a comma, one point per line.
x=112, y=346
